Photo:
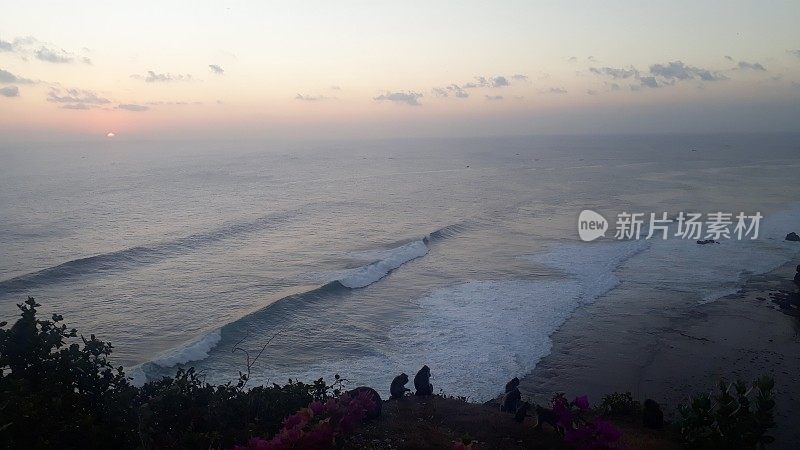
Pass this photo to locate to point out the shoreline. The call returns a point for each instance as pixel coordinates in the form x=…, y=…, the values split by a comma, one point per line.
x=666, y=347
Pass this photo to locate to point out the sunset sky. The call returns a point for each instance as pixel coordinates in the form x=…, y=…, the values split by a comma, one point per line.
x=318, y=69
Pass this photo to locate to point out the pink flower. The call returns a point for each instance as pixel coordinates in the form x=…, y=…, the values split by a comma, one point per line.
x=581, y=402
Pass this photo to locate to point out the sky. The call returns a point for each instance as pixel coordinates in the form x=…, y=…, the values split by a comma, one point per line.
x=322, y=69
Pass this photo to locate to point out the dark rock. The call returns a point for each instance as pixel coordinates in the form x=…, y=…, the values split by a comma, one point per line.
x=375, y=412
x=793, y=237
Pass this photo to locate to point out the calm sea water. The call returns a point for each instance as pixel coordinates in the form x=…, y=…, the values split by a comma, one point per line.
x=369, y=258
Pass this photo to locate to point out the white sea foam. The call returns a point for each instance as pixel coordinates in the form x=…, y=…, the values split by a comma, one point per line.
x=712, y=271
x=390, y=260
x=501, y=327
x=194, y=350
x=137, y=374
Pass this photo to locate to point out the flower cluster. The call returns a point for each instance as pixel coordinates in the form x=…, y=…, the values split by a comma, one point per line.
x=318, y=425
x=595, y=434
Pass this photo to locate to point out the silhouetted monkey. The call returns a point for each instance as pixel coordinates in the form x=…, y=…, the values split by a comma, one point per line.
x=652, y=416
x=422, y=381
x=511, y=385
x=522, y=412
x=547, y=416
x=512, y=401
x=398, y=388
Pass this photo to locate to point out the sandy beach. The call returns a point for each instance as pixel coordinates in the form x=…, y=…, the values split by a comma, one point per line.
x=664, y=348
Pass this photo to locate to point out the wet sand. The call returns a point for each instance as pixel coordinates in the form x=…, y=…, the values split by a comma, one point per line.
x=666, y=347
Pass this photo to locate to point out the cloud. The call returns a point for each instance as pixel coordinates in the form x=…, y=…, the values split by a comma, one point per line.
x=154, y=77
x=615, y=73
x=795, y=52
x=649, y=82
x=499, y=82
x=591, y=92
x=9, y=91
x=79, y=106
x=572, y=59
x=59, y=56
x=132, y=107
x=556, y=90
x=409, y=98
x=310, y=98
x=659, y=74
x=8, y=77
x=216, y=69
x=457, y=91
x=453, y=89
x=492, y=82
x=335, y=88
x=677, y=70
x=729, y=58
x=76, y=98
x=494, y=97
x=744, y=65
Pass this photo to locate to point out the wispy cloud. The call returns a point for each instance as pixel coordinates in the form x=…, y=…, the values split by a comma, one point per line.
x=155, y=77
x=9, y=91
x=795, y=52
x=677, y=70
x=76, y=98
x=614, y=72
x=659, y=75
x=744, y=65
x=310, y=98
x=453, y=89
x=28, y=46
x=132, y=107
x=8, y=77
x=555, y=90
x=59, y=56
x=217, y=70
x=409, y=98
x=498, y=81
x=494, y=98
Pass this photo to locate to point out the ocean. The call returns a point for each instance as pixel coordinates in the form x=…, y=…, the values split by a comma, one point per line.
x=371, y=258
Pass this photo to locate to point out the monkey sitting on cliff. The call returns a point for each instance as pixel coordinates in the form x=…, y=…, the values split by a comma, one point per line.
x=422, y=381
x=512, y=400
x=398, y=388
x=652, y=416
x=545, y=415
x=511, y=385
x=522, y=412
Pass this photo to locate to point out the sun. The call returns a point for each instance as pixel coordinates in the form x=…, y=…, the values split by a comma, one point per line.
x=110, y=134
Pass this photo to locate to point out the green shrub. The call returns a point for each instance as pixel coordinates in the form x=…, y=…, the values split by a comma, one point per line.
x=737, y=417
x=60, y=390
x=618, y=404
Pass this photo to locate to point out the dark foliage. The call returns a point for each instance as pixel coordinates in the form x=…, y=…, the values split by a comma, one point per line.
x=737, y=417
x=60, y=390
